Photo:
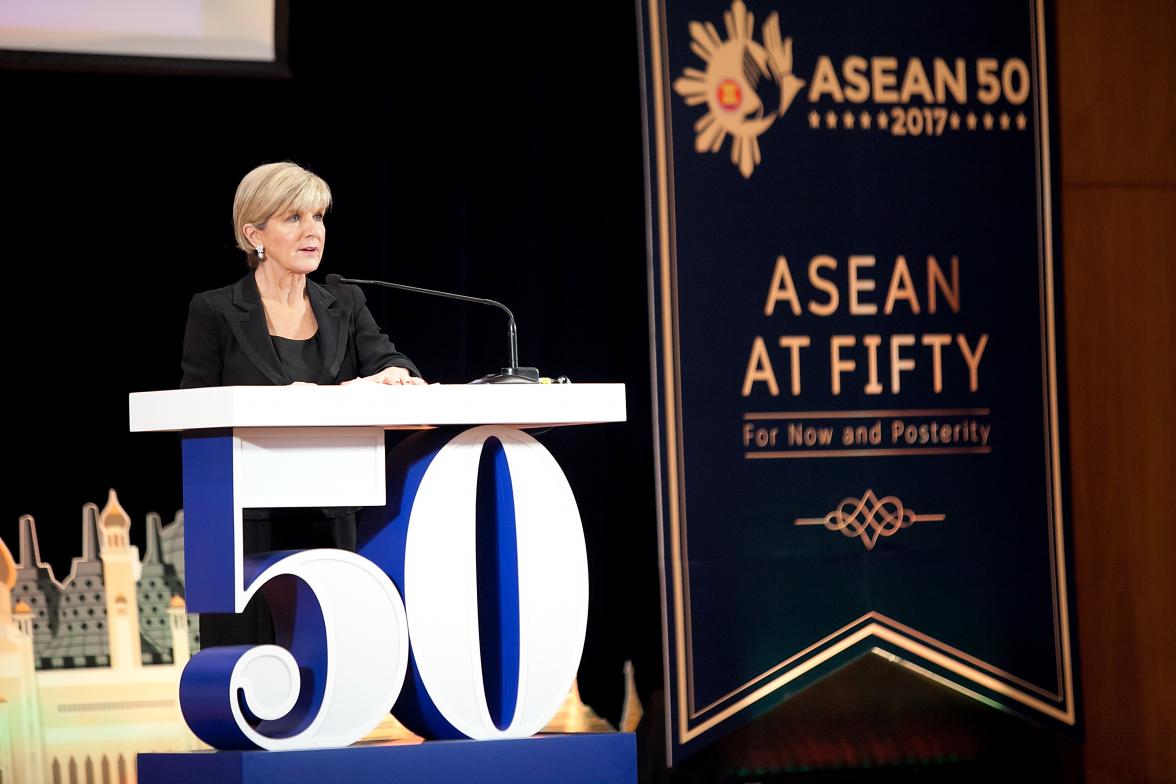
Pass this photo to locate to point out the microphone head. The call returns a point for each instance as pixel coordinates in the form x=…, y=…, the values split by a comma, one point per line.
x=333, y=279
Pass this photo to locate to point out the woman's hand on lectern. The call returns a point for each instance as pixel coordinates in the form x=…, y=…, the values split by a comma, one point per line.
x=391, y=375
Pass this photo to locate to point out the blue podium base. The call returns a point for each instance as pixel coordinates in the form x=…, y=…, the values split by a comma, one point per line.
x=569, y=759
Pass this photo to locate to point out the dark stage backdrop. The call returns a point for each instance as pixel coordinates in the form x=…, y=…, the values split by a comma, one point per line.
x=489, y=150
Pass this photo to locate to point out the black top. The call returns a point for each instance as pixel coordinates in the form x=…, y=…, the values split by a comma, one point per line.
x=301, y=359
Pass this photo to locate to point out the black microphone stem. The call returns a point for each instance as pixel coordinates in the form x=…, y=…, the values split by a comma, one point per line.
x=511, y=372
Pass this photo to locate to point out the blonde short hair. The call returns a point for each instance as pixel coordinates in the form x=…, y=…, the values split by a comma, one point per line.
x=270, y=189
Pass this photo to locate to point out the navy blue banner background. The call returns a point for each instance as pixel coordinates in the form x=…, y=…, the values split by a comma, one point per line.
x=981, y=586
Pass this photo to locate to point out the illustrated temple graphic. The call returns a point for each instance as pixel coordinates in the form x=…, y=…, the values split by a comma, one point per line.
x=89, y=665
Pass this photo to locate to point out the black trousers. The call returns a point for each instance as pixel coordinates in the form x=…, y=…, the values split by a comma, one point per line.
x=266, y=530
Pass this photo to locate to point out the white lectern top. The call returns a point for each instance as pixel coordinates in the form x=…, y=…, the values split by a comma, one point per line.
x=377, y=405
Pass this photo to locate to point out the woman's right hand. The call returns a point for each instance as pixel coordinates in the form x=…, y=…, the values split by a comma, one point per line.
x=390, y=375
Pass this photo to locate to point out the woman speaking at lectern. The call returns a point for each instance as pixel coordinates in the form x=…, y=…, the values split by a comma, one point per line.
x=275, y=326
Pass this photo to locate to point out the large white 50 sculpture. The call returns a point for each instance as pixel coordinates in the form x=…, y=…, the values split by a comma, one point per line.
x=477, y=558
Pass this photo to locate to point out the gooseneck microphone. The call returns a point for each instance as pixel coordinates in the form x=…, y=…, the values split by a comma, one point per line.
x=507, y=375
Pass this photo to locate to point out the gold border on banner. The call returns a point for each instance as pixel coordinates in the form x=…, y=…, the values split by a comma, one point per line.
x=692, y=721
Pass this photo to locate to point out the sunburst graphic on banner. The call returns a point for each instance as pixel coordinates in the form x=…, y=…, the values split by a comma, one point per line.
x=745, y=86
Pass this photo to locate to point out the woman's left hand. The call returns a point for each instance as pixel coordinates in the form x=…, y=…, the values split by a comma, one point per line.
x=392, y=375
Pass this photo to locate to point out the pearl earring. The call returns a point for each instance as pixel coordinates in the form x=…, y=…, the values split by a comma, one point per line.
x=260, y=252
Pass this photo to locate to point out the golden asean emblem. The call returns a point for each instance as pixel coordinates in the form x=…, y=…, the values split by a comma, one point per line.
x=745, y=85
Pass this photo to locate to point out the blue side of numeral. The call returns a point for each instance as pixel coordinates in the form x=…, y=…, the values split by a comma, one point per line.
x=205, y=699
x=208, y=510
x=498, y=583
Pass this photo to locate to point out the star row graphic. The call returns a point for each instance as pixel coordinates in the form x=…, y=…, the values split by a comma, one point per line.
x=883, y=121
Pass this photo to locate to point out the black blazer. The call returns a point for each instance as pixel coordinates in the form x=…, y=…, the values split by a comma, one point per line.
x=227, y=341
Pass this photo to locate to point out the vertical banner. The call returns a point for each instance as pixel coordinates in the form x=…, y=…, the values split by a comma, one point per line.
x=854, y=317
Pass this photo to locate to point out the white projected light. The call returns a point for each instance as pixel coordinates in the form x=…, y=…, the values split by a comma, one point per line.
x=191, y=29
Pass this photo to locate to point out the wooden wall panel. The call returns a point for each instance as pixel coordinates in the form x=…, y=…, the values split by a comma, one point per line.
x=1122, y=390
x=1115, y=79
x=1116, y=65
